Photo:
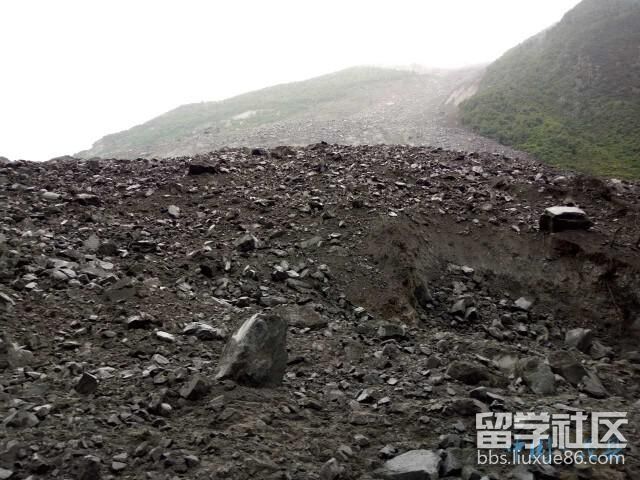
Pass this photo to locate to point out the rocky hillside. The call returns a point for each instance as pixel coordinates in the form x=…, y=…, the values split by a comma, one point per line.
x=398, y=292
x=355, y=106
x=571, y=94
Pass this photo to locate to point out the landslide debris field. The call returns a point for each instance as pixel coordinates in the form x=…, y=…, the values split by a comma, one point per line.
x=417, y=288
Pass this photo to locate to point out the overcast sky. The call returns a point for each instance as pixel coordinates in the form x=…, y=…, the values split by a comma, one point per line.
x=72, y=71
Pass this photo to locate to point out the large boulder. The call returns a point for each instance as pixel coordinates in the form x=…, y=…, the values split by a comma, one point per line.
x=469, y=373
x=580, y=338
x=537, y=375
x=557, y=219
x=412, y=465
x=256, y=355
x=565, y=364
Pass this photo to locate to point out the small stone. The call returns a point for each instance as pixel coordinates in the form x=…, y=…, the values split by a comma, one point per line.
x=118, y=466
x=387, y=451
x=523, y=304
x=173, y=211
x=92, y=243
x=5, y=474
x=142, y=320
x=391, y=330
x=165, y=337
x=51, y=196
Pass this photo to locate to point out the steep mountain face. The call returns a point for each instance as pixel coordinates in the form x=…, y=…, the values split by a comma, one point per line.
x=362, y=105
x=571, y=94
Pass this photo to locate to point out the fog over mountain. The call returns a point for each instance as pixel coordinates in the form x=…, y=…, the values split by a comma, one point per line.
x=79, y=70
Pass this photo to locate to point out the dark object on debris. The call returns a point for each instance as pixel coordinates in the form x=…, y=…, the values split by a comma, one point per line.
x=202, y=168
x=558, y=219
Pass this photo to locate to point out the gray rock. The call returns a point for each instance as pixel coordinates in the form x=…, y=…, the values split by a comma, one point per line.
x=311, y=243
x=580, y=338
x=121, y=291
x=256, y=355
x=391, y=330
x=51, y=196
x=521, y=472
x=523, y=304
x=452, y=463
x=469, y=373
x=13, y=355
x=4, y=473
x=196, y=388
x=142, y=320
x=537, y=375
x=87, y=384
x=246, y=243
x=21, y=419
x=592, y=386
x=302, y=316
x=558, y=219
x=412, y=465
x=173, y=211
x=92, y=243
x=331, y=470
x=204, y=331
x=89, y=468
x=165, y=336
x=87, y=199
x=565, y=364
x=598, y=350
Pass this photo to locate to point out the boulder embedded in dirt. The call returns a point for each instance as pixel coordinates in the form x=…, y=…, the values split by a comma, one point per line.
x=256, y=355
x=558, y=219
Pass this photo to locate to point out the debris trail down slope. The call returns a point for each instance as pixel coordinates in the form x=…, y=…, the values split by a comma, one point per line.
x=416, y=285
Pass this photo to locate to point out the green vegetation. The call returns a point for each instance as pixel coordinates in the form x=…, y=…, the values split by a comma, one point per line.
x=571, y=94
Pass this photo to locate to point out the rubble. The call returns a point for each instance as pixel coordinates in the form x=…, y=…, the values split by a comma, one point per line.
x=378, y=335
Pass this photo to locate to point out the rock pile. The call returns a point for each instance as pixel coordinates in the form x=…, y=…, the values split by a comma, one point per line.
x=380, y=297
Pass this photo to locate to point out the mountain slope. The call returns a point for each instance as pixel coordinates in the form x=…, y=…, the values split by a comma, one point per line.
x=358, y=105
x=571, y=94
